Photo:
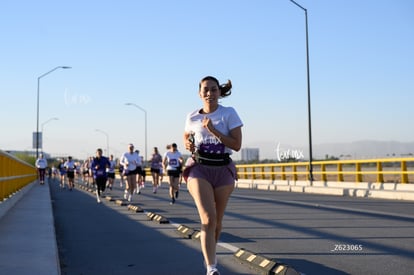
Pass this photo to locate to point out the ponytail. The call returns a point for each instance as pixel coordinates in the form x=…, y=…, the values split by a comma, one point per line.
x=225, y=89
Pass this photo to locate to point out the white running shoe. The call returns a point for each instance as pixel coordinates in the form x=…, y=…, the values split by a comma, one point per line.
x=129, y=198
x=125, y=194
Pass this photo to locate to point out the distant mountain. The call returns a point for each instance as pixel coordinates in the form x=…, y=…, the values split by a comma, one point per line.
x=345, y=150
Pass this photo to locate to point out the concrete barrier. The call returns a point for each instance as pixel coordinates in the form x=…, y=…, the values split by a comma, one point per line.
x=405, y=187
x=285, y=188
x=325, y=191
x=394, y=191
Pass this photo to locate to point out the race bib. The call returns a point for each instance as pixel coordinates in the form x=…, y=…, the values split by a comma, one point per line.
x=99, y=173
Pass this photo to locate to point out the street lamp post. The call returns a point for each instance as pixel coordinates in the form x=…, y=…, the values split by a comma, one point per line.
x=309, y=100
x=38, y=92
x=146, y=134
x=44, y=123
x=107, y=141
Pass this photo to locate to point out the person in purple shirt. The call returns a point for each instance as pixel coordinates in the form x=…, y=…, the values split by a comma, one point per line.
x=99, y=165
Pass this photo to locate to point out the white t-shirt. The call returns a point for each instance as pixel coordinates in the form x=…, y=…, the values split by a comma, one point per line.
x=111, y=168
x=140, y=161
x=224, y=119
x=130, y=160
x=70, y=165
x=173, y=159
x=41, y=163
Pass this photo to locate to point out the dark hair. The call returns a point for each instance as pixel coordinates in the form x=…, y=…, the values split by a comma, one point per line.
x=225, y=89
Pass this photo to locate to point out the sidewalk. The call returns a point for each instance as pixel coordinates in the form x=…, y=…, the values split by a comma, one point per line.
x=27, y=234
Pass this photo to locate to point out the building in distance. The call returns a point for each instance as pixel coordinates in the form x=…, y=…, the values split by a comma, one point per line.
x=250, y=154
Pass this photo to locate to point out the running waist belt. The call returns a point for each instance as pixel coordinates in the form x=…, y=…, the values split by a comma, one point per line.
x=212, y=159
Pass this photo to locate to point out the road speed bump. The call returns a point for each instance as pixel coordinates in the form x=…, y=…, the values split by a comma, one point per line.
x=263, y=264
x=109, y=198
x=160, y=219
x=186, y=231
x=135, y=208
x=196, y=235
x=150, y=215
x=157, y=218
x=120, y=202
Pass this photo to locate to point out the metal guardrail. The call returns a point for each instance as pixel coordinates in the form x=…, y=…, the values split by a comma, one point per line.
x=398, y=170
x=14, y=174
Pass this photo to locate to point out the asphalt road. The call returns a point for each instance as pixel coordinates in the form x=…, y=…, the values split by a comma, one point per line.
x=314, y=234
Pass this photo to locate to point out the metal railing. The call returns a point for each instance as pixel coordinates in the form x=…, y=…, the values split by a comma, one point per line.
x=14, y=175
x=398, y=170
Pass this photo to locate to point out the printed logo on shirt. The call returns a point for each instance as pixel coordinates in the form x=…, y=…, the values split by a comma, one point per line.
x=209, y=144
x=212, y=148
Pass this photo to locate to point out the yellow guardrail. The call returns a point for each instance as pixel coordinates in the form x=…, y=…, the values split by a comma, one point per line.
x=399, y=170
x=14, y=174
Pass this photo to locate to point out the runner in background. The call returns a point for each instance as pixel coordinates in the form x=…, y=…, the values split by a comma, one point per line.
x=142, y=173
x=62, y=173
x=129, y=161
x=85, y=172
x=111, y=172
x=167, y=148
x=156, y=164
x=138, y=173
x=41, y=165
x=172, y=164
x=70, y=170
x=91, y=180
x=99, y=166
x=121, y=175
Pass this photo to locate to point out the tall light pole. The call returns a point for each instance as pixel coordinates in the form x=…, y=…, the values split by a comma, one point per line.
x=146, y=134
x=309, y=102
x=107, y=140
x=44, y=123
x=38, y=92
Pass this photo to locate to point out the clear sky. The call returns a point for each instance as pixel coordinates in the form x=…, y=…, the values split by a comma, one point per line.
x=153, y=53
